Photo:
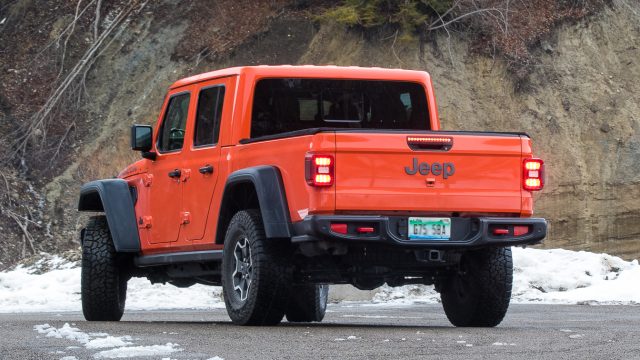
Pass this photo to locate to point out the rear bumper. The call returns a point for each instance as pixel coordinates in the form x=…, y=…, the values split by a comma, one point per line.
x=466, y=233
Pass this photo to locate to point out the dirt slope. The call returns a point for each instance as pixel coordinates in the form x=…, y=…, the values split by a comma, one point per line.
x=582, y=110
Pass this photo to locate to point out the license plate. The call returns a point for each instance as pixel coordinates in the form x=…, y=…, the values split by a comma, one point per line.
x=429, y=228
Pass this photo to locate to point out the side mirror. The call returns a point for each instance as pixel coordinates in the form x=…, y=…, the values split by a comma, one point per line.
x=141, y=136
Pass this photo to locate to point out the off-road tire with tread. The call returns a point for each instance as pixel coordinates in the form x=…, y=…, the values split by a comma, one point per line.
x=103, y=282
x=479, y=293
x=268, y=292
x=307, y=303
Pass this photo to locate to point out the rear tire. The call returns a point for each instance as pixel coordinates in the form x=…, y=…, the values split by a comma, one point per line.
x=255, y=276
x=479, y=293
x=103, y=282
x=307, y=303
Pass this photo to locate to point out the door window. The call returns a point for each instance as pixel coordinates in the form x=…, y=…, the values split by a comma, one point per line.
x=208, y=116
x=174, y=124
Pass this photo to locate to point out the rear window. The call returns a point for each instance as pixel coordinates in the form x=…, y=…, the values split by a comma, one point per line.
x=282, y=105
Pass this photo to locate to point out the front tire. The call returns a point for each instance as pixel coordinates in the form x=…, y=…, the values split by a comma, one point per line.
x=307, y=303
x=255, y=275
x=103, y=282
x=478, y=294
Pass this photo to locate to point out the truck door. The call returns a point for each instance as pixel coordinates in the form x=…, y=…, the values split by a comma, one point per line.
x=165, y=189
x=202, y=159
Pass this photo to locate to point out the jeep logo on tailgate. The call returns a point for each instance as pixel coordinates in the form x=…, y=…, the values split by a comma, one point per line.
x=445, y=169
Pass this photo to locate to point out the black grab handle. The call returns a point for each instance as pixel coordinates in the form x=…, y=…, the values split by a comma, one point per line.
x=207, y=169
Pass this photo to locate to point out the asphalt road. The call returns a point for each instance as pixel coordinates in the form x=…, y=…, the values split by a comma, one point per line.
x=348, y=332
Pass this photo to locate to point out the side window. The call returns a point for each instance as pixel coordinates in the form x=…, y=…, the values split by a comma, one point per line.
x=208, y=116
x=175, y=121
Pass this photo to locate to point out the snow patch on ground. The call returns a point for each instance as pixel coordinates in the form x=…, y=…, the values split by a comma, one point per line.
x=109, y=342
x=65, y=332
x=540, y=276
x=134, y=351
x=119, y=347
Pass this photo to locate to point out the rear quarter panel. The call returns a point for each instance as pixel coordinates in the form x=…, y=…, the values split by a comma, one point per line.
x=288, y=155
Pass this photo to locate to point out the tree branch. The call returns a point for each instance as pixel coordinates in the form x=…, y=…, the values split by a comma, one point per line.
x=432, y=26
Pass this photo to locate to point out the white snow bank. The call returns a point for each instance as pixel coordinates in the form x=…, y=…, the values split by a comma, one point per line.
x=540, y=276
x=563, y=276
x=550, y=276
x=28, y=289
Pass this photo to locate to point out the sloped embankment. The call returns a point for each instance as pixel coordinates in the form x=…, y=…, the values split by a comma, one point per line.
x=582, y=109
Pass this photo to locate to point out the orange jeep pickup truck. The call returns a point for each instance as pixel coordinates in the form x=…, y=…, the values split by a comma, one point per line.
x=276, y=181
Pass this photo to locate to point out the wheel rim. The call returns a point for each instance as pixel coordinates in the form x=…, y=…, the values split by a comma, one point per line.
x=243, y=269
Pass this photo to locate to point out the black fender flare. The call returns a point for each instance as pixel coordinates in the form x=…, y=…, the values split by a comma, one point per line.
x=113, y=197
x=272, y=198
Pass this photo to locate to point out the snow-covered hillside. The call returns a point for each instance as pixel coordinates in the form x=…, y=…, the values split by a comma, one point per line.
x=540, y=276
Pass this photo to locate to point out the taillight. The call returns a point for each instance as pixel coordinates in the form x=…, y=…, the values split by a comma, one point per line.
x=319, y=169
x=533, y=179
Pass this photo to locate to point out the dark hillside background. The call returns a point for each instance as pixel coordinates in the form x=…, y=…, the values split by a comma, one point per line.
x=74, y=75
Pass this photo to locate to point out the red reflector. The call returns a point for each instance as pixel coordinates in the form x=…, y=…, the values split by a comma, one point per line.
x=499, y=231
x=339, y=228
x=365, y=229
x=520, y=230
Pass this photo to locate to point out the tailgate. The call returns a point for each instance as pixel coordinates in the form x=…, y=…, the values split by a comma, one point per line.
x=479, y=173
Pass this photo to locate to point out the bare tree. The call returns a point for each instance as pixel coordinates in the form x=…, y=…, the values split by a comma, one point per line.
x=75, y=77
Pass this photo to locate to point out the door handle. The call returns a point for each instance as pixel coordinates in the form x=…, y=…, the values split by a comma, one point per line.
x=175, y=173
x=207, y=169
